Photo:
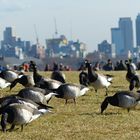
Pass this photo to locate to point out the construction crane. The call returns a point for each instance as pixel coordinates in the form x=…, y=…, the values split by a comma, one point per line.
x=37, y=43
x=37, y=39
x=40, y=51
x=56, y=33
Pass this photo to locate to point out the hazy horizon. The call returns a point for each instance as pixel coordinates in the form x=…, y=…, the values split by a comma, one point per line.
x=89, y=21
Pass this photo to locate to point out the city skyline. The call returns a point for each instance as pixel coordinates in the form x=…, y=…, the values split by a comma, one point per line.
x=89, y=21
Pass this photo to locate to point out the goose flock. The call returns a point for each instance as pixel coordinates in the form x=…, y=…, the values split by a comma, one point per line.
x=32, y=100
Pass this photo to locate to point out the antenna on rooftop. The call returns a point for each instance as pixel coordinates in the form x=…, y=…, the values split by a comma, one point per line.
x=56, y=33
x=71, y=31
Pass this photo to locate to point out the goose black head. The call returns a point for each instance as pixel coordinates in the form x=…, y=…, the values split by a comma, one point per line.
x=126, y=62
x=33, y=65
x=130, y=68
x=13, y=84
x=138, y=91
x=87, y=63
x=104, y=105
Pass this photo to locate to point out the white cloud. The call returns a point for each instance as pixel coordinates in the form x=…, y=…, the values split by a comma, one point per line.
x=12, y=5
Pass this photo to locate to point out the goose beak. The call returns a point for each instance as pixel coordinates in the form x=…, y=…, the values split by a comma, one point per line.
x=56, y=94
x=49, y=106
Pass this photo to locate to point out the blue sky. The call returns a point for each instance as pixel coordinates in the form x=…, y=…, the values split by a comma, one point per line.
x=87, y=20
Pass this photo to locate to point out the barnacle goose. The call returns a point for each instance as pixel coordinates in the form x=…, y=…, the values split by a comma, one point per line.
x=98, y=81
x=132, y=76
x=70, y=91
x=123, y=99
x=24, y=80
x=36, y=94
x=19, y=114
x=83, y=78
x=42, y=82
x=59, y=76
x=7, y=100
x=130, y=71
x=9, y=75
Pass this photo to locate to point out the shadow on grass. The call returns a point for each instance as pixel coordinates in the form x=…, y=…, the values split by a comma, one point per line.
x=9, y=130
x=117, y=86
x=111, y=113
x=94, y=114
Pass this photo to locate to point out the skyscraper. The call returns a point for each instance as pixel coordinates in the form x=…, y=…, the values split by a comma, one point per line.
x=8, y=35
x=117, y=40
x=138, y=30
x=9, y=39
x=125, y=25
x=122, y=36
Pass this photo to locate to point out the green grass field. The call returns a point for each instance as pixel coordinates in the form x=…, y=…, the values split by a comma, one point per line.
x=82, y=121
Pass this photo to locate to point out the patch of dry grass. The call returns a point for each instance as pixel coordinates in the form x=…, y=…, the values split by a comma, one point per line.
x=83, y=120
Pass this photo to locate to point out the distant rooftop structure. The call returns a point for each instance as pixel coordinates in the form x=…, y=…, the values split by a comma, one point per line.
x=106, y=48
x=62, y=47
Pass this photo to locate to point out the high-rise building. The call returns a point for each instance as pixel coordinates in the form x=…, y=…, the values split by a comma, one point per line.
x=125, y=25
x=138, y=30
x=117, y=40
x=10, y=44
x=8, y=38
x=122, y=37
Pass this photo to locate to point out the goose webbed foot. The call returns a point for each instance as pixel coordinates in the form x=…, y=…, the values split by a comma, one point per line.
x=106, y=92
x=12, y=128
x=128, y=109
x=48, y=100
x=66, y=102
x=74, y=101
x=21, y=128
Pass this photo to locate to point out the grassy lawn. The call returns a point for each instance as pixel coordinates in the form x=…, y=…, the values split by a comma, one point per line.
x=82, y=121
